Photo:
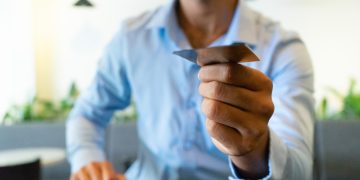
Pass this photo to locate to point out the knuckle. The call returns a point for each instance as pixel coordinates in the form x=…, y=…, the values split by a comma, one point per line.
x=202, y=89
x=255, y=133
x=249, y=146
x=217, y=89
x=267, y=109
x=228, y=73
x=210, y=126
x=212, y=109
x=267, y=82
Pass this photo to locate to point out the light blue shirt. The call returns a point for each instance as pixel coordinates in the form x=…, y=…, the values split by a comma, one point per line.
x=139, y=63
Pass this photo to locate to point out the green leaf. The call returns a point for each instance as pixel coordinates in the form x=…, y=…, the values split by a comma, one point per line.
x=74, y=91
x=323, y=109
x=336, y=93
x=27, y=112
x=351, y=104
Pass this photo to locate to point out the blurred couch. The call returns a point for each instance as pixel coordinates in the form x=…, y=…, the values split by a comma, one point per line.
x=121, y=144
x=337, y=150
x=336, y=153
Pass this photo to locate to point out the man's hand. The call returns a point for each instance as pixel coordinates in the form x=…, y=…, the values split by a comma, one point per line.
x=97, y=171
x=238, y=105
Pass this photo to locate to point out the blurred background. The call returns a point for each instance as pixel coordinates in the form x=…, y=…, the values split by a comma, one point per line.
x=46, y=45
x=49, y=50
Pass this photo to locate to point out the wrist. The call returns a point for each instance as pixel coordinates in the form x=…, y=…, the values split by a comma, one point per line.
x=254, y=165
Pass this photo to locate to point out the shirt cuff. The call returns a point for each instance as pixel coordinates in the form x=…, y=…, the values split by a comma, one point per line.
x=277, y=160
x=84, y=143
x=85, y=156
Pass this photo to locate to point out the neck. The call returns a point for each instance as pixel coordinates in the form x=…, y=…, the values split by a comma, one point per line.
x=203, y=21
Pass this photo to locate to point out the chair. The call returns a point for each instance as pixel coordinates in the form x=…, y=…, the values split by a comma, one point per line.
x=26, y=171
x=337, y=154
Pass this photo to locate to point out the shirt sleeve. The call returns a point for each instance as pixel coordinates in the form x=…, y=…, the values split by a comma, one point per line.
x=109, y=91
x=292, y=124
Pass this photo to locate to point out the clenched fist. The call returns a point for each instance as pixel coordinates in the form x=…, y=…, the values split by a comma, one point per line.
x=238, y=105
x=97, y=171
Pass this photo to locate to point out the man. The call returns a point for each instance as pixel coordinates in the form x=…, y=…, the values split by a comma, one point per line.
x=210, y=122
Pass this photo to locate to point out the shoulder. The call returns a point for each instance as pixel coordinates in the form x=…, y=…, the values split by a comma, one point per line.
x=140, y=21
x=132, y=27
x=271, y=35
x=280, y=50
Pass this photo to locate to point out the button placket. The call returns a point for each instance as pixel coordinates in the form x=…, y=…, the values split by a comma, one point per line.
x=192, y=125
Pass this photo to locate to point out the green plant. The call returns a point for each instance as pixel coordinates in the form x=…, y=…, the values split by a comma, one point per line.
x=38, y=109
x=350, y=105
x=126, y=115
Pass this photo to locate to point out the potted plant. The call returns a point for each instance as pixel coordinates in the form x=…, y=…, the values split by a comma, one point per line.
x=337, y=133
x=40, y=110
x=40, y=123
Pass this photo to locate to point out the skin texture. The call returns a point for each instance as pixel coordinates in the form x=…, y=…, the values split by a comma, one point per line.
x=97, y=171
x=238, y=105
x=204, y=21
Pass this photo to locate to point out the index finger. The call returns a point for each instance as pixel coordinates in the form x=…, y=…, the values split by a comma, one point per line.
x=94, y=170
x=235, y=74
x=107, y=171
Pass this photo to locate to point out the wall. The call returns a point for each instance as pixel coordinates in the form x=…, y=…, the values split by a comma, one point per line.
x=329, y=28
x=69, y=40
x=82, y=34
x=17, y=78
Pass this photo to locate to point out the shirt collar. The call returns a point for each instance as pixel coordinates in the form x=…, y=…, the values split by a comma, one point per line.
x=242, y=28
x=163, y=17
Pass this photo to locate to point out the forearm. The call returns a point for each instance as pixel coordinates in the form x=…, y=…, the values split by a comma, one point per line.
x=254, y=165
x=285, y=161
x=85, y=142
